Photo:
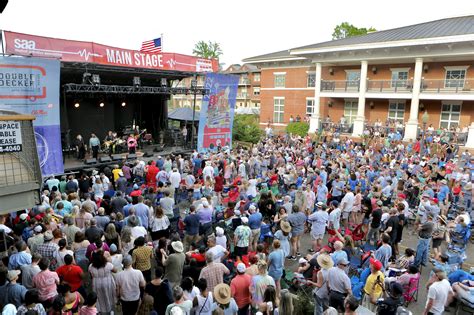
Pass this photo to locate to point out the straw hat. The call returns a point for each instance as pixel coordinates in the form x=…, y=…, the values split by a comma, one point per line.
x=222, y=293
x=443, y=218
x=177, y=246
x=325, y=261
x=285, y=226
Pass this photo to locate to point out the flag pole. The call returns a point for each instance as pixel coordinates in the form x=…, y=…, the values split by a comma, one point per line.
x=162, y=50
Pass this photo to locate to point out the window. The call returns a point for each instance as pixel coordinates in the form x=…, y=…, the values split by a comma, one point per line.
x=455, y=78
x=278, y=109
x=350, y=110
x=280, y=80
x=396, y=110
x=352, y=78
x=399, y=78
x=256, y=77
x=309, y=106
x=311, y=79
x=256, y=91
x=450, y=115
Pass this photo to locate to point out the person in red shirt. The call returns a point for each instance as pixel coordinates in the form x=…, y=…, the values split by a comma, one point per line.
x=71, y=274
x=240, y=287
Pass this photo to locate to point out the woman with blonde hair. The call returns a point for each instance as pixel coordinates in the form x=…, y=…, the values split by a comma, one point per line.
x=126, y=240
x=111, y=236
x=286, y=303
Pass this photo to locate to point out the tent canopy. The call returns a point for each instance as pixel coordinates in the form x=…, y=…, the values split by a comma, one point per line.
x=184, y=113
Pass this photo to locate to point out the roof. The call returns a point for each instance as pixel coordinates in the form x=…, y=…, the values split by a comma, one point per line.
x=183, y=113
x=246, y=68
x=275, y=55
x=440, y=28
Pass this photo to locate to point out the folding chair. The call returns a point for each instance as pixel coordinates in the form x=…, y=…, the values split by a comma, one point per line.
x=410, y=293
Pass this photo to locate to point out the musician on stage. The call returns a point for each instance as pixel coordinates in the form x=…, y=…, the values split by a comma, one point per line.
x=110, y=141
x=132, y=144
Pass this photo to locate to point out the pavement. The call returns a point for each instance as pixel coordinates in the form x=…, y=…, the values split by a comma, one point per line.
x=408, y=241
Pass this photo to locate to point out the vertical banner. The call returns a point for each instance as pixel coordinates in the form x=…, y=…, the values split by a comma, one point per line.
x=217, y=112
x=31, y=86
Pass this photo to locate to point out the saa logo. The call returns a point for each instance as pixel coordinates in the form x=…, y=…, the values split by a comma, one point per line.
x=24, y=44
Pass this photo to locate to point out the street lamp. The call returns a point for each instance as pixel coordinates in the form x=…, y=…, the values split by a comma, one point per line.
x=424, y=119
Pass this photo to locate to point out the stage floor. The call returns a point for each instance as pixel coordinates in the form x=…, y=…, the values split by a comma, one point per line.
x=73, y=165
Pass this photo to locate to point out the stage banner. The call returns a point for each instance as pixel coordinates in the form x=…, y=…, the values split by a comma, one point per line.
x=217, y=112
x=77, y=51
x=31, y=86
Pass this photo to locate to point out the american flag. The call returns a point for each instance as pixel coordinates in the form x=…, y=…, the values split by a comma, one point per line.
x=153, y=46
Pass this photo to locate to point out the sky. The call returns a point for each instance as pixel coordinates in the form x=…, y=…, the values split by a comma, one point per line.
x=242, y=28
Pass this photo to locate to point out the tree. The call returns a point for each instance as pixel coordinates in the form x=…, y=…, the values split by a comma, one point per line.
x=345, y=29
x=211, y=50
x=246, y=128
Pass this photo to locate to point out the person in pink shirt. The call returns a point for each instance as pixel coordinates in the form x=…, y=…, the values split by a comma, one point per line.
x=89, y=307
x=46, y=282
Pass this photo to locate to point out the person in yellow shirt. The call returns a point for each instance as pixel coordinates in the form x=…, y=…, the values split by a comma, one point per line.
x=374, y=286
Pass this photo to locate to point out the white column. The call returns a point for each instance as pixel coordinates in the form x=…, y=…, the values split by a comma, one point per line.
x=411, y=128
x=360, y=119
x=470, y=137
x=315, y=120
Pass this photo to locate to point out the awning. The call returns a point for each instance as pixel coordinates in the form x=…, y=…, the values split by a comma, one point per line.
x=184, y=113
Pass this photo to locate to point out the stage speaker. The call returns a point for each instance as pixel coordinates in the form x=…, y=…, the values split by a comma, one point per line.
x=132, y=156
x=91, y=161
x=105, y=159
x=117, y=157
x=3, y=4
x=147, y=154
x=158, y=149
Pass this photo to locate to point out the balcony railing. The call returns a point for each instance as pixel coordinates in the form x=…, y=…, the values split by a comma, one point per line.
x=340, y=86
x=448, y=86
x=401, y=86
x=243, y=96
x=244, y=82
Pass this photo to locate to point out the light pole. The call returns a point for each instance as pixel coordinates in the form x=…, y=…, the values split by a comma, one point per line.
x=425, y=118
x=193, y=88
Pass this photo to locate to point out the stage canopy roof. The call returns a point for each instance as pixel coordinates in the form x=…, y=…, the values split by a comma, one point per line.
x=184, y=113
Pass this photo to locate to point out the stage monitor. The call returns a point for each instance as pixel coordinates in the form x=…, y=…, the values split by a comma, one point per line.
x=117, y=157
x=105, y=159
x=132, y=157
x=90, y=161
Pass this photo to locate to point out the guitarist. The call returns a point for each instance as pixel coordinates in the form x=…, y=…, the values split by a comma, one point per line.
x=109, y=141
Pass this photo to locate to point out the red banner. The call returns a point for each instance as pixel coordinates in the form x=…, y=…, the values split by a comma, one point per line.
x=77, y=51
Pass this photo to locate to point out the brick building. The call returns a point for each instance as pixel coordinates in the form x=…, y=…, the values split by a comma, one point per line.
x=394, y=74
x=248, y=93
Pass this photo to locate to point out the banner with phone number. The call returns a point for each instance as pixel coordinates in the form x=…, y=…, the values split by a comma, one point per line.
x=31, y=86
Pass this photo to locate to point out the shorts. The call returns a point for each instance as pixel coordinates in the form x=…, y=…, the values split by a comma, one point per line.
x=345, y=215
x=317, y=236
x=255, y=236
x=365, y=221
x=240, y=251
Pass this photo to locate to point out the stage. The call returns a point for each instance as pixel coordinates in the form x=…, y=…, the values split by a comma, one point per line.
x=73, y=166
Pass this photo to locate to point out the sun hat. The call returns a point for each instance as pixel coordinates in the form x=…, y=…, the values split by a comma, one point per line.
x=177, y=246
x=319, y=204
x=222, y=293
x=241, y=267
x=443, y=218
x=13, y=274
x=285, y=226
x=48, y=236
x=325, y=261
x=376, y=263
x=23, y=216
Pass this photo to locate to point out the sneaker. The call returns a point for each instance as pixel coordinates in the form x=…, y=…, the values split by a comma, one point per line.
x=288, y=257
x=311, y=250
x=293, y=257
x=298, y=254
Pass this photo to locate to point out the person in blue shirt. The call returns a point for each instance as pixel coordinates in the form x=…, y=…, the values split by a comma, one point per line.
x=255, y=222
x=336, y=189
x=21, y=258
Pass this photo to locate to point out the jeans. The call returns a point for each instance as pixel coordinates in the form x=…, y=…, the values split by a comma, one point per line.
x=373, y=234
x=320, y=306
x=422, y=251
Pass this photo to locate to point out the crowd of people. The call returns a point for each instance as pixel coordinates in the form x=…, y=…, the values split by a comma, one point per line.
x=217, y=233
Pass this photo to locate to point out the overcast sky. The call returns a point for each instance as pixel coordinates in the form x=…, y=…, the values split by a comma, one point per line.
x=243, y=28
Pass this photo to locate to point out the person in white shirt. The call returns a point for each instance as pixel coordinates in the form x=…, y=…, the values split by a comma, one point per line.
x=347, y=203
x=440, y=293
x=175, y=180
x=208, y=171
x=129, y=281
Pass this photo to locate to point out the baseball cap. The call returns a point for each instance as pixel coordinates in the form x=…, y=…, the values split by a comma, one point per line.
x=23, y=216
x=245, y=220
x=241, y=267
x=343, y=261
x=376, y=263
x=302, y=261
x=38, y=229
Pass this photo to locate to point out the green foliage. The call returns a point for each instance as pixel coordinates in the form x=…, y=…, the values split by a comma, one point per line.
x=246, y=128
x=207, y=50
x=345, y=29
x=304, y=305
x=298, y=128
